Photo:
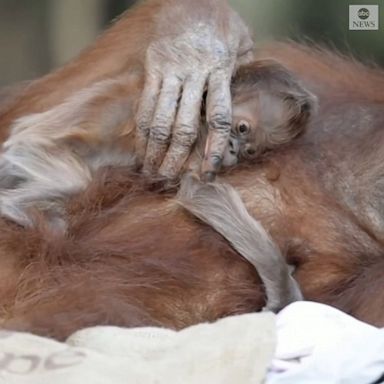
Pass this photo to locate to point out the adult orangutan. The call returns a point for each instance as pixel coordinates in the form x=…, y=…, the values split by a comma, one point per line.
x=131, y=256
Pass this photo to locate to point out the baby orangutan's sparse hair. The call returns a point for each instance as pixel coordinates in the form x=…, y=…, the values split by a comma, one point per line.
x=221, y=207
x=270, y=108
x=54, y=154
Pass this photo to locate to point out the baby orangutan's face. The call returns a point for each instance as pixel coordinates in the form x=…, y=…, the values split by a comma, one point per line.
x=243, y=134
x=252, y=119
x=262, y=120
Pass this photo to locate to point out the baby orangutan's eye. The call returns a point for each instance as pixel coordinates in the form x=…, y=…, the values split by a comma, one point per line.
x=243, y=127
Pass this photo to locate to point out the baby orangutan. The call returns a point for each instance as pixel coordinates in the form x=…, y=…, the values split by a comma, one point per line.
x=54, y=154
x=270, y=108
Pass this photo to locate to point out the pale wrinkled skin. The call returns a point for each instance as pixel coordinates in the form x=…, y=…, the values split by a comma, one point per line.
x=197, y=48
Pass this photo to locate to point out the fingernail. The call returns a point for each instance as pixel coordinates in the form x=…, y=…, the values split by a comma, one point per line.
x=208, y=177
x=212, y=163
x=216, y=162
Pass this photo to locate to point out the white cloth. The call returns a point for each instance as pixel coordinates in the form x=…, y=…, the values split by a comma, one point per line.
x=233, y=350
x=320, y=344
x=316, y=344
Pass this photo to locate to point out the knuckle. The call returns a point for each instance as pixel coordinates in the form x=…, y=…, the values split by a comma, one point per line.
x=143, y=128
x=220, y=122
x=143, y=124
x=173, y=80
x=160, y=134
x=185, y=135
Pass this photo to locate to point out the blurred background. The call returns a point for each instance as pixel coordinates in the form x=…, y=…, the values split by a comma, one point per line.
x=39, y=35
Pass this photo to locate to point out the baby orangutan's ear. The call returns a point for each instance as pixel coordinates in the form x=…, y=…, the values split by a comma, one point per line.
x=300, y=105
x=285, y=115
x=283, y=95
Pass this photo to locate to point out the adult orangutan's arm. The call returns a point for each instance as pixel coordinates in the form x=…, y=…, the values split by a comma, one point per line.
x=184, y=45
x=120, y=49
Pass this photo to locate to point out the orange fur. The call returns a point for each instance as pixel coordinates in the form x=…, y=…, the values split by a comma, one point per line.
x=132, y=257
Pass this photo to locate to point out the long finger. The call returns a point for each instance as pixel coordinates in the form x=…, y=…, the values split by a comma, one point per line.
x=219, y=117
x=161, y=127
x=186, y=128
x=145, y=112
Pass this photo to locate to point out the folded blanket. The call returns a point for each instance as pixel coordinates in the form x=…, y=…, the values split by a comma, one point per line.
x=233, y=350
x=319, y=344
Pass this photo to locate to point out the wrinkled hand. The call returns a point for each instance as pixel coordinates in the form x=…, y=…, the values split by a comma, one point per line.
x=194, y=52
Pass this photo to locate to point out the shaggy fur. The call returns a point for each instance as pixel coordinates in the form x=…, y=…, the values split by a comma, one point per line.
x=220, y=206
x=118, y=265
x=132, y=256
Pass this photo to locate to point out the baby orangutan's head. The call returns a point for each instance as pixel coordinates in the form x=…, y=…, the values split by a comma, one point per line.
x=270, y=108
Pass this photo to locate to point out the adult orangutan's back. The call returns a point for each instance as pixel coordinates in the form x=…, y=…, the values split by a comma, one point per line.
x=131, y=258
x=330, y=184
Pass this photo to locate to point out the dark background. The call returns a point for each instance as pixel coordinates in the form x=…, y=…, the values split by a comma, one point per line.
x=38, y=35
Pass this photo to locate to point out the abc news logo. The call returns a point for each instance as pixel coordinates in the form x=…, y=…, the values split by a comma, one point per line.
x=364, y=17
x=363, y=13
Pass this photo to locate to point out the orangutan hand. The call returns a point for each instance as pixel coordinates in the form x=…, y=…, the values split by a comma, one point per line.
x=197, y=46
